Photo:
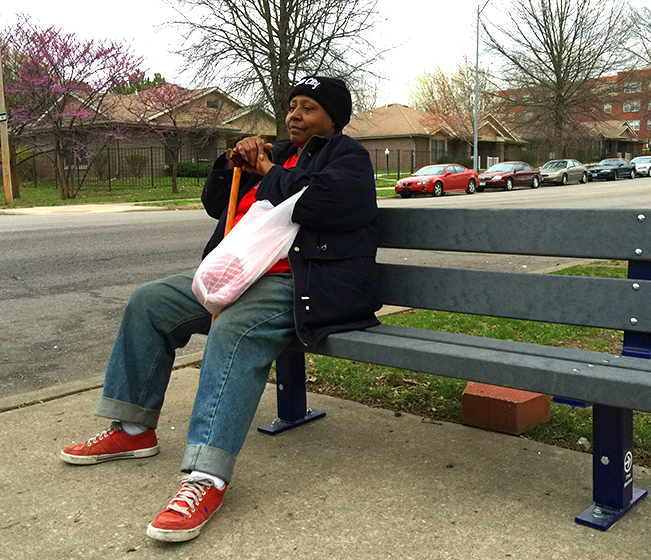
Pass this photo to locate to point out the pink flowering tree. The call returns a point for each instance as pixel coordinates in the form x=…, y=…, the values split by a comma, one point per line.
x=173, y=115
x=59, y=95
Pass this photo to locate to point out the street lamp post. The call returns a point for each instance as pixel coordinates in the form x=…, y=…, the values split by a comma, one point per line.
x=475, y=146
x=386, y=153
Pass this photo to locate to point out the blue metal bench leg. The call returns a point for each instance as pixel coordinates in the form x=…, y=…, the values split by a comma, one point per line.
x=612, y=460
x=612, y=468
x=291, y=394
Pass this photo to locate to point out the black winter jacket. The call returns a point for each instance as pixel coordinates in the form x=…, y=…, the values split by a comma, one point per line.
x=336, y=282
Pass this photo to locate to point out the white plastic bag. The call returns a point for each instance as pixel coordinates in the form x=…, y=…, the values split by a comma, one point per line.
x=261, y=238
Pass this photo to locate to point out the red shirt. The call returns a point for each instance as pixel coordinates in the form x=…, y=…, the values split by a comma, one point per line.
x=243, y=207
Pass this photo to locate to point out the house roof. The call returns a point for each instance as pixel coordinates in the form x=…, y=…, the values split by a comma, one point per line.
x=398, y=120
x=390, y=121
x=612, y=130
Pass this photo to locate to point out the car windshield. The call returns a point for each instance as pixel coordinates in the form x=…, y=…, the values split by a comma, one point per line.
x=609, y=162
x=430, y=170
x=554, y=165
x=500, y=167
x=641, y=159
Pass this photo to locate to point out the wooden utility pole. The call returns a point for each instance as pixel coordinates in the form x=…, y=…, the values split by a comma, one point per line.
x=4, y=140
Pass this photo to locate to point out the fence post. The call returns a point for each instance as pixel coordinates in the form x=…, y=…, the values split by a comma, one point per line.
x=151, y=164
x=108, y=159
x=398, y=179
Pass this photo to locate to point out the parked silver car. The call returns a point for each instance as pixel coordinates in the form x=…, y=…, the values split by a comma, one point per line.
x=642, y=165
x=563, y=171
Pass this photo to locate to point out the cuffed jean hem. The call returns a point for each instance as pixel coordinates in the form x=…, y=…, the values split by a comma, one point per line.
x=127, y=412
x=209, y=460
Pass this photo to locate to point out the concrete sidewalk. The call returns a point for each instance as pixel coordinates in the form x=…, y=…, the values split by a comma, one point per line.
x=81, y=209
x=362, y=483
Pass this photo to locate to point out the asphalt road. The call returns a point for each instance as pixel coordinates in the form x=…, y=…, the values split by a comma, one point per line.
x=66, y=277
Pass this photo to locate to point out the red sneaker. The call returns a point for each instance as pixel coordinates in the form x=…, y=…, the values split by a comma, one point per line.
x=112, y=444
x=187, y=513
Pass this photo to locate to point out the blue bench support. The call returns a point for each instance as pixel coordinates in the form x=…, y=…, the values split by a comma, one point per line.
x=612, y=429
x=291, y=394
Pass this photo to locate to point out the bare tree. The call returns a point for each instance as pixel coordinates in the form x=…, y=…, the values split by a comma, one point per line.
x=258, y=49
x=640, y=24
x=552, y=51
x=451, y=98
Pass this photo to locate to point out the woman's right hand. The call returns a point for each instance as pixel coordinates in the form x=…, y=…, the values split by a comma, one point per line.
x=251, y=155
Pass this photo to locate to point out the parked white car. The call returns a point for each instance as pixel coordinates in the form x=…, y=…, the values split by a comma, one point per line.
x=642, y=165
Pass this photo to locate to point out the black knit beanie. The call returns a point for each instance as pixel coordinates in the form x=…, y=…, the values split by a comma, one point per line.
x=331, y=93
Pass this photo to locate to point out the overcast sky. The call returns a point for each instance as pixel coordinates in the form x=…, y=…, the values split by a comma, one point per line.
x=427, y=33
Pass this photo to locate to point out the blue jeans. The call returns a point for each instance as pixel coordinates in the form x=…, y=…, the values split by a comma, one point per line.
x=242, y=343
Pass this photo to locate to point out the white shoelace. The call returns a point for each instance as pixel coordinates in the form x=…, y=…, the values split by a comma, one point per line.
x=191, y=492
x=115, y=427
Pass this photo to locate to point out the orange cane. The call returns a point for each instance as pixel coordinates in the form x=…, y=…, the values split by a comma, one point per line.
x=232, y=206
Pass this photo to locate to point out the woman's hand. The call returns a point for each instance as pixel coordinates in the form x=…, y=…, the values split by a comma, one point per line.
x=251, y=155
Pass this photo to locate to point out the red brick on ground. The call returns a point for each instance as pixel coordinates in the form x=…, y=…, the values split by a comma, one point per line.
x=502, y=409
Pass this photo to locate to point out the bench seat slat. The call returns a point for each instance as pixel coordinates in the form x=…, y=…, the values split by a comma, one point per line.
x=537, y=231
x=584, y=376
x=608, y=303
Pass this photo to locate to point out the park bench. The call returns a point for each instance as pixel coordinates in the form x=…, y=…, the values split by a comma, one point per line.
x=613, y=385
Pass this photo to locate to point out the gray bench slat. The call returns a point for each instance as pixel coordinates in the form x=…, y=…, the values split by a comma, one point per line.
x=595, y=302
x=544, y=232
x=510, y=364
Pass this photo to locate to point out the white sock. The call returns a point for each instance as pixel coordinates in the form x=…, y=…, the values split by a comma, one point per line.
x=219, y=483
x=133, y=429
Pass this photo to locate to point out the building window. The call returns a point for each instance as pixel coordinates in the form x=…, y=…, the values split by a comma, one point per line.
x=608, y=108
x=527, y=97
x=648, y=125
x=632, y=87
x=609, y=88
x=635, y=125
x=632, y=106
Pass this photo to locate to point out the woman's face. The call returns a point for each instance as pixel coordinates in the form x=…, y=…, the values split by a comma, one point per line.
x=306, y=118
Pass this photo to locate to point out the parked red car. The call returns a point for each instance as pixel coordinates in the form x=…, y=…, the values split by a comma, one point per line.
x=438, y=179
x=509, y=174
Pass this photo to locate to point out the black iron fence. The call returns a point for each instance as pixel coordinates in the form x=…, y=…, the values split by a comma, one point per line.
x=122, y=167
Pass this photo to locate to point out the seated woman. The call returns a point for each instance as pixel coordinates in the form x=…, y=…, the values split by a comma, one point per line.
x=329, y=283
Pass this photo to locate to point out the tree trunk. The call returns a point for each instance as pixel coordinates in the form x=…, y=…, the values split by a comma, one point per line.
x=13, y=165
x=62, y=177
x=175, y=170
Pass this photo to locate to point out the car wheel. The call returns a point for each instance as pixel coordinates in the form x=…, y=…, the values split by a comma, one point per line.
x=536, y=183
x=648, y=172
x=564, y=180
x=508, y=186
x=631, y=175
x=584, y=178
x=437, y=190
x=405, y=194
x=471, y=186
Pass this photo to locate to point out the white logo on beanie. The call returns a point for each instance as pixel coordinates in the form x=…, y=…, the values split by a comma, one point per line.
x=309, y=82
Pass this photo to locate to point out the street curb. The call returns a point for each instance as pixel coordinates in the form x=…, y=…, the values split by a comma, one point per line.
x=74, y=387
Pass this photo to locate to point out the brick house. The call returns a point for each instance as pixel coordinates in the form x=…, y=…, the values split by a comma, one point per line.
x=398, y=136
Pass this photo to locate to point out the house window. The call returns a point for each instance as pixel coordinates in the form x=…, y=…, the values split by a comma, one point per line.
x=632, y=107
x=632, y=87
x=213, y=104
x=635, y=125
x=648, y=125
x=608, y=108
x=527, y=97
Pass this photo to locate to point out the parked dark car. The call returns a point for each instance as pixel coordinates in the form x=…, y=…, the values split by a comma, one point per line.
x=612, y=169
x=563, y=171
x=509, y=174
x=437, y=180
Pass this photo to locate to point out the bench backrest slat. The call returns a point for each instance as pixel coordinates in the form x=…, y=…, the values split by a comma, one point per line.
x=594, y=302
x=598, y=234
